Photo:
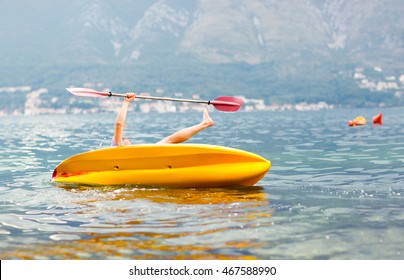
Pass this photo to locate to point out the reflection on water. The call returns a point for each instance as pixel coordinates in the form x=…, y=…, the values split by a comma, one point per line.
x=333, y=191
x=143, y=223
x=175, y=195
x=122, y=246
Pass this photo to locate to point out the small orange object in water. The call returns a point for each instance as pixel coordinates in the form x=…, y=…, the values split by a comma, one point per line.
x=377, y=120
x=357, y=121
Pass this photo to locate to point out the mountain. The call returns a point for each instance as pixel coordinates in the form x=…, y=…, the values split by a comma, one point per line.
x=369, y=32
x=282, y=51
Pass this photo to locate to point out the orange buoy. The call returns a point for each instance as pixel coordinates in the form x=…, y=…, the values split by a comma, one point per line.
x=377, y=120
x=357, y=121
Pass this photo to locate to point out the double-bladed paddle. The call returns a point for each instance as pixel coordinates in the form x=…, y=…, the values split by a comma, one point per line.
x=222, y=103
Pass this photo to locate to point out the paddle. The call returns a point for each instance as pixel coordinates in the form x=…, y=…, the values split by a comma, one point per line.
x=222, y=103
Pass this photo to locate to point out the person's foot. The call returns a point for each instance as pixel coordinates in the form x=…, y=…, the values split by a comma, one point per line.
x=206, y=120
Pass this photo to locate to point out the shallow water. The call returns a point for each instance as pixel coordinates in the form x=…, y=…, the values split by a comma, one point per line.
x=333, y=191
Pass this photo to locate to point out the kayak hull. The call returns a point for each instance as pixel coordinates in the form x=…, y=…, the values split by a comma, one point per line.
x=182, y=165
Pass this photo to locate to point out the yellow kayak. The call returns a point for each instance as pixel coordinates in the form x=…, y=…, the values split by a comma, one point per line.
x=183, y=165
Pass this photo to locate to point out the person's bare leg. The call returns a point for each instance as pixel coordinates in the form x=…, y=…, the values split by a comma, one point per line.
x=186, y=133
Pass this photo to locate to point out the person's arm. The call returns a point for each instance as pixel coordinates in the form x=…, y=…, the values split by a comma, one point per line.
x=120, y=119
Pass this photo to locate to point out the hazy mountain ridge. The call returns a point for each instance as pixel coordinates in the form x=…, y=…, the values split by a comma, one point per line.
x=161, y=24
x=278, y=50
x=224, y=31
x=368, y=30
x=266, y=33
x=263, y=31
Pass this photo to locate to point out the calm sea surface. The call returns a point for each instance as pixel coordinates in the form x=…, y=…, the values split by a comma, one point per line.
x=333, y=191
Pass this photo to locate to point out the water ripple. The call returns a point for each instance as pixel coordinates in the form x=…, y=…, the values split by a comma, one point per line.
x=332, y=191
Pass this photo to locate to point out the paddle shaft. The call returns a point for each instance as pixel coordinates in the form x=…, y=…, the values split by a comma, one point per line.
x=162, y=98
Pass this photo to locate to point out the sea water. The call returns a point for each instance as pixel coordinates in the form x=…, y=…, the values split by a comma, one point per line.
x=333, y=191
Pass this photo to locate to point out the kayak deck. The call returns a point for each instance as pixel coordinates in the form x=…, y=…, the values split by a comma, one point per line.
x=183, y=165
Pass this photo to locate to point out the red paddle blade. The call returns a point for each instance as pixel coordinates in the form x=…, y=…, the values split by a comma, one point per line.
x=87, y=92
x=227, y=103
